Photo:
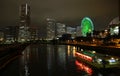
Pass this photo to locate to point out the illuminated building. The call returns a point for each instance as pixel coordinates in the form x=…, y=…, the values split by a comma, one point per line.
x=78, y=31
x=24, y=33
x=87, y=26
x=60, y=29
x=34, y=34
x=114, y=26
x=1, y=36
x=24, y=15
x=8, y=34
x=72, y=31
x=114, y=30
x=51, y=28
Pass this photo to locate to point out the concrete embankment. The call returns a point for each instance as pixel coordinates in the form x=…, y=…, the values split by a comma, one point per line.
x=104, y=49
x=9, y=52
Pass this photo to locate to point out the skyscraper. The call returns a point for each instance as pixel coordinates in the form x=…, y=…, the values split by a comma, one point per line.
x=60, y=29
x=25, y=15
x=51, y=28
x=24, y=33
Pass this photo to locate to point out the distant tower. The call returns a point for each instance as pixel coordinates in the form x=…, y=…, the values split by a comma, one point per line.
x=51, y=28
x=60, y=29
x=24, y=33
x=24, y=15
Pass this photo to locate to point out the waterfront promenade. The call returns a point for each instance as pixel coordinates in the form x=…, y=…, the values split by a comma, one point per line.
x=98, y=47
x=101, y=48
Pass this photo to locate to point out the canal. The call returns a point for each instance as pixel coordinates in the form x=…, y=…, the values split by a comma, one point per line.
x=51, y=60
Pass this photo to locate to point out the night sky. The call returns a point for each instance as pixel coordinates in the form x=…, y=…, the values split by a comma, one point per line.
x=69, y=12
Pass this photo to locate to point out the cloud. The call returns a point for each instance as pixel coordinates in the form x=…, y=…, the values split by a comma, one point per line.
x=66, y=11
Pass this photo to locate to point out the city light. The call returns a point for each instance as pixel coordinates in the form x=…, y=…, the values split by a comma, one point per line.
x=60, y=37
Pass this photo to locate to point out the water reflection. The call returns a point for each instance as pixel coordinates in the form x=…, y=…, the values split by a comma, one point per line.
x=71, y=50
x=24, y=61
x=82, y=67
x=61, y=56
x=53, y=60
x=57, y=60
x=50, y=59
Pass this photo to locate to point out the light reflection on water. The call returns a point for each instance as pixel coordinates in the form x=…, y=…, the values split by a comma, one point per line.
x=54, y=60
x=82, y=66
x=24, y=60
x=57, y=59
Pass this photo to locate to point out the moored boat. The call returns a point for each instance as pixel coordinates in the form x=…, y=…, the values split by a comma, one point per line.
x=98, y=60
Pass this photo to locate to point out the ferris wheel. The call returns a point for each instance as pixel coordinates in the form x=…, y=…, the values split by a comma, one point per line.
x=86, y=26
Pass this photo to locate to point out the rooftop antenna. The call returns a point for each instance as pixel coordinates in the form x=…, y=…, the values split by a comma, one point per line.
x=27, y=2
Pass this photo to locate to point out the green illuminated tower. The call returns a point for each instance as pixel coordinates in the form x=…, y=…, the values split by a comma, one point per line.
x=87, y=26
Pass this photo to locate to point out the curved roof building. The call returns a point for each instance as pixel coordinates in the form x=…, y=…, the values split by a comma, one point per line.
x=115, y=21
x=114, y=26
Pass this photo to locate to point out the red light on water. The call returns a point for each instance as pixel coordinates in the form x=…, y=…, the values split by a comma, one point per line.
x=81, y=66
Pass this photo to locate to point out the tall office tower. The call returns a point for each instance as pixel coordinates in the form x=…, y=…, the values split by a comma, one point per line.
x=51, y=28
x=24, y=33
x=60, y=29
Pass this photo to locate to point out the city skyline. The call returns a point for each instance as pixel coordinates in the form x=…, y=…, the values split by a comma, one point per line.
x=67, y=12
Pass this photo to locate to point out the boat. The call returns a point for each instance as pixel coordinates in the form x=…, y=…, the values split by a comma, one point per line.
x=98, y=60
